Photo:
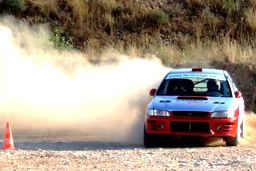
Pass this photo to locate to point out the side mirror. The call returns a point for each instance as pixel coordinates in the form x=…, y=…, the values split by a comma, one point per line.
x=238, y=94
x=152, y=92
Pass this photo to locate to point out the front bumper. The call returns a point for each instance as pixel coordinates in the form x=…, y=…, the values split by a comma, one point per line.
x=194, y=126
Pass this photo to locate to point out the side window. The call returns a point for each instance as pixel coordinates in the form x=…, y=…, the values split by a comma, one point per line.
x=231, y=83
x=162, y=90
x=225, y=89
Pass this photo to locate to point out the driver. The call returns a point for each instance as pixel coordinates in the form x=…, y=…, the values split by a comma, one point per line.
x=213, y=86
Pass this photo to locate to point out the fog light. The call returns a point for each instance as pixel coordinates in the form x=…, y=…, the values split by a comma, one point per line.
x=161, y=125
x=218, y=127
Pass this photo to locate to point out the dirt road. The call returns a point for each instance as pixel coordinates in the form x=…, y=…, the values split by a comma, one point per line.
x=63, y=150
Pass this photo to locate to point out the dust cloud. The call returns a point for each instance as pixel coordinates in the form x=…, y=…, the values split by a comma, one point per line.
x=43, y=88
x=250, y=129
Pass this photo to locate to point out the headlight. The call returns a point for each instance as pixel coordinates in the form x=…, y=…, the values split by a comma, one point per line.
x=158, y=112
x=222, y=114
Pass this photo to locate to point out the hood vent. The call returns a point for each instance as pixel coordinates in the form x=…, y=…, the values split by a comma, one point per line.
x=164, y=101
x=193, y=98
x=218, y=102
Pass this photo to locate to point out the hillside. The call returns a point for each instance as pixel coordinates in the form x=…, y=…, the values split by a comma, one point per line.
x=220, y=33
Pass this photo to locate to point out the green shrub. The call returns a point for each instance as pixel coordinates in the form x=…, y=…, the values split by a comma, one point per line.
x=119, y=10
x=158, y=17
x=60, y=40
x=229, y=6
x=13, y=6
x=234, y=8
x=44, y=20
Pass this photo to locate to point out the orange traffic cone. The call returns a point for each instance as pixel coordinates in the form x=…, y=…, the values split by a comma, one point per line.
x=8, y=141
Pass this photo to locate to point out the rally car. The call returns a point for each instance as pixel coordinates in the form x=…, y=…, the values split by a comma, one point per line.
x=196, y=102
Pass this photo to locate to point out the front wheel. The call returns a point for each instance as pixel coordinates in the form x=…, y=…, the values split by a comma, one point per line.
x=148, y=139
x=234, y=141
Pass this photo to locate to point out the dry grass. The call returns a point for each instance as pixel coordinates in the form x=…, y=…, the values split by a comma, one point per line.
x=251, y=18
x=228, y=51
x=222, y=30
x=46, y=7
x=80, y=10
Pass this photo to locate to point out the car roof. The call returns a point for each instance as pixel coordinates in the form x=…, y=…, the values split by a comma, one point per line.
x=204, y=70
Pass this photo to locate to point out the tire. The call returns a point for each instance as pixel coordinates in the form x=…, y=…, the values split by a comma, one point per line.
x=148, y=139
x=234, y=141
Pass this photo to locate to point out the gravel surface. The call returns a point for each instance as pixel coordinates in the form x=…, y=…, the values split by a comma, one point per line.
x=49, y=151
x=129, y=158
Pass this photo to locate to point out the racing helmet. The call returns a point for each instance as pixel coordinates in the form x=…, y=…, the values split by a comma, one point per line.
x=213, y=85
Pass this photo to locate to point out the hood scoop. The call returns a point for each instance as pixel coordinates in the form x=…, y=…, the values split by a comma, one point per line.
x=218, y=102
x=165, y=101
x=193, y=98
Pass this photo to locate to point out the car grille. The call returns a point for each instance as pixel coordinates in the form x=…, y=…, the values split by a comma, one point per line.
x=189, y=126
x=189, y=113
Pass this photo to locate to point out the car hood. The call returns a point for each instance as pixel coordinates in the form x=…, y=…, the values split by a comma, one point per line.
x=171, y=103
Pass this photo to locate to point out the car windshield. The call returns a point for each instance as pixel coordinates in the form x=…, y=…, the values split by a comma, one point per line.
x=194, y=86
